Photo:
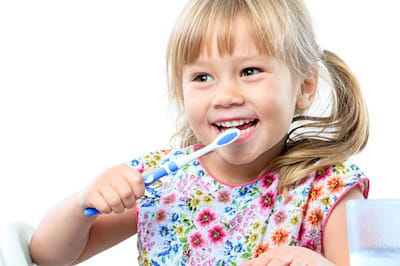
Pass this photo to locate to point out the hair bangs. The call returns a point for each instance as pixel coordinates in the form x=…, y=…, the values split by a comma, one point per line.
x=213, y=25
x=213, y=22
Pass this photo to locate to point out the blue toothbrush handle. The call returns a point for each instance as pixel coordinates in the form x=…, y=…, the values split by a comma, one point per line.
x=153, y=176
x=149, y=178
x=90, y=212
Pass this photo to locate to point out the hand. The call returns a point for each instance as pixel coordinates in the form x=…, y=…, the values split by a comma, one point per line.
x=289, y=256
x=115, y=190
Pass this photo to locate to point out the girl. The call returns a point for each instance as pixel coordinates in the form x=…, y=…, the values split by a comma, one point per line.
x=276, y=196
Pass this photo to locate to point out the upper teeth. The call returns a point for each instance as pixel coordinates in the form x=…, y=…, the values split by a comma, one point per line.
x=233, y=123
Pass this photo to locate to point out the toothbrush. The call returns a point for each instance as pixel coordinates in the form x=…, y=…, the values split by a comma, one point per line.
x=225, y=138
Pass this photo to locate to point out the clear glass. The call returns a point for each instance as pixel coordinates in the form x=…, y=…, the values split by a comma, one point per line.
x=374, y=232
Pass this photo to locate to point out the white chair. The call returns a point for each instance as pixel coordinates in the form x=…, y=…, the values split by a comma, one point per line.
x=14, y=244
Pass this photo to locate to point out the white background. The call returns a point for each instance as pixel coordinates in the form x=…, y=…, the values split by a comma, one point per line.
x=82, y=88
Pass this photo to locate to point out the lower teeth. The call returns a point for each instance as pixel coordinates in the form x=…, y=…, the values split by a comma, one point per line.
x=242, y=131
x=246, y=130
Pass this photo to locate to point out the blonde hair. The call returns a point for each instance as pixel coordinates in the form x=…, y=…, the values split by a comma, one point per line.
x=282, y=29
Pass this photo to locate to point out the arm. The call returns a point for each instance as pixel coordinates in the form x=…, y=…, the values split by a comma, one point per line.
x=335, y=234
x=107, y=231
x=65, y=236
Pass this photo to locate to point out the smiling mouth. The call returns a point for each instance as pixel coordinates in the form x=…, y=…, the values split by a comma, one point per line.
x=245, y=125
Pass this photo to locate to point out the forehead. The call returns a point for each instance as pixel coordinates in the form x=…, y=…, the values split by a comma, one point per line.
x=222, y=32
x=238, y=39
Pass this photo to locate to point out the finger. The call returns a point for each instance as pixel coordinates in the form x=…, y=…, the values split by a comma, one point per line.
x=263, y=259
x=125, y=192
x=94, y=199
x=101, y=205
x=112, y=198
x=134, y=179
x=279, y=261
x=298, y=262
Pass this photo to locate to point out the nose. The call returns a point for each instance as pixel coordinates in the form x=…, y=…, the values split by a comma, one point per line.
x=228, y=94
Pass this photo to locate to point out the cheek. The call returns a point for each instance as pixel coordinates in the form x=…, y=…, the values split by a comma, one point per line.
x=278, y=108
x=194, y=110
x=278, y=103
x=195, y=115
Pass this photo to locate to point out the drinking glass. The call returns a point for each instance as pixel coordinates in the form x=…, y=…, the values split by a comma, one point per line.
x=374, y=232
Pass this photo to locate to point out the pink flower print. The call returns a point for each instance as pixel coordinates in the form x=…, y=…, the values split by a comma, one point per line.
x=268, y=180
x=224, y=196
x=302, y=232
x=196, y=240
x=267, y=200
x=205, y=217
x=169, y=199
x=161, y=216
x=280, y=217
x=217, y=234
x=322, y=173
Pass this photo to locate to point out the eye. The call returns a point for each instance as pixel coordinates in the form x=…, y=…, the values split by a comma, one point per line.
x=249, y=71
x=202, y=77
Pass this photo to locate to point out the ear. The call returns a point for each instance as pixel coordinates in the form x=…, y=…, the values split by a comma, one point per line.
x=308, y=89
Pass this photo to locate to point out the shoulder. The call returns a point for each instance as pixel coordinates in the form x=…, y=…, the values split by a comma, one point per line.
x=321, y=192
x=330, y=184
x=336, y=180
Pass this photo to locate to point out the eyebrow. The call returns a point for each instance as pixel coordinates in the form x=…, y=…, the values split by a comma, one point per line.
x=253, y=57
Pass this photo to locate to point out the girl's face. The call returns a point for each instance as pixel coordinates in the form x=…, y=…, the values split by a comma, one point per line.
x=248, y=90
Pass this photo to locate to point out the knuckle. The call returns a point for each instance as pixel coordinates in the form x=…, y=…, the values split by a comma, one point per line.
x=105, y=210
x=130, y=205
x=138, y=193
x=114, y=203
x=298, y=261
x=139, y=180
x=118, y=210
x=126, y=194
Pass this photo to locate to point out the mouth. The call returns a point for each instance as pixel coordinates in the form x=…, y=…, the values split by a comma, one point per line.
x=245, y=125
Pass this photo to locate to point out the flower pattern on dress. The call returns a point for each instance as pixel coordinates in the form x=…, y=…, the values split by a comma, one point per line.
x=190, y=218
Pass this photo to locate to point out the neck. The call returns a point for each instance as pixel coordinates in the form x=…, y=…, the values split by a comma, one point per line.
x=235, y=174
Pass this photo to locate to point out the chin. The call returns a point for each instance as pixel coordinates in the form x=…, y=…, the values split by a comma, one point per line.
x=238, y=159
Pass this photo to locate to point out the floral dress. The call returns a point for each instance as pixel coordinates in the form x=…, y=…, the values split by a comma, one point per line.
x=191, y=218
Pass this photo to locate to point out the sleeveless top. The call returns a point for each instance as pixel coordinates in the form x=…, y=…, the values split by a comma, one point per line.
x=191, y=218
